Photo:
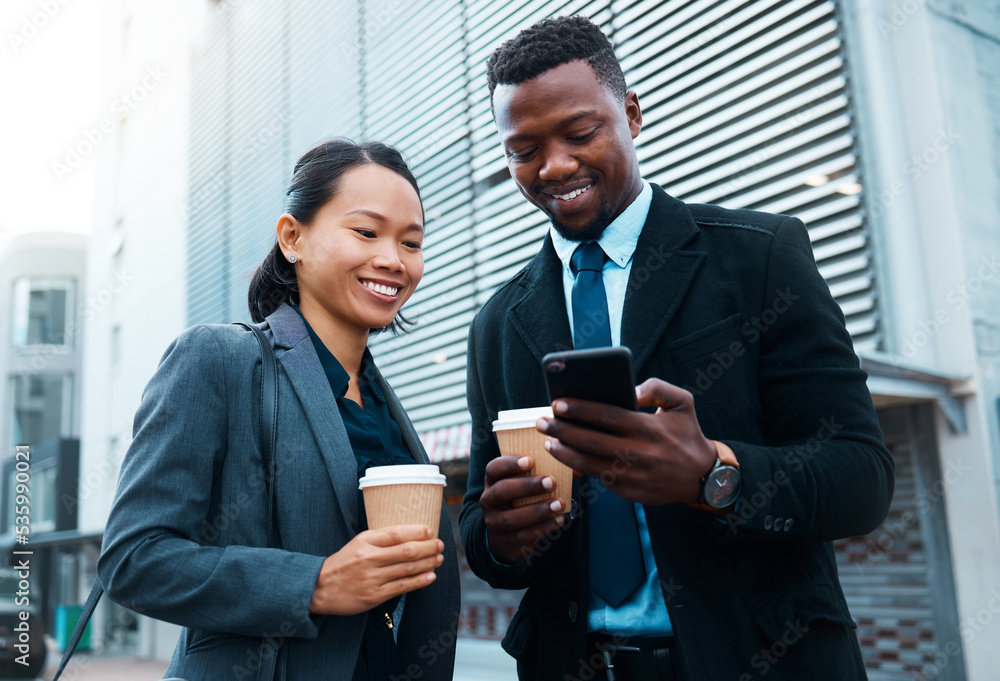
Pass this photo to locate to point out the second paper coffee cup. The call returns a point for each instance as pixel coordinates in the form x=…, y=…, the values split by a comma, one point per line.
x=517, y=436
x=403, y=495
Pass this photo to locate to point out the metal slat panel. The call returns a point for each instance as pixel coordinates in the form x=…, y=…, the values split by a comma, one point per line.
x=728, y=92
x=413, y=105
x=793, y=152
x=208, y=184
x=421, y=358
x=745, y=105
x=752, y=137
x=324, y=80
x=730, y=51
x=441, y=416
x=787, y=103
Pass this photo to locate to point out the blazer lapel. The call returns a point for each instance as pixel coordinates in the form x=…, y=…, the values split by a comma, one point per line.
x=540, y=316
x=661, y=275
x=304, y=372
x=410, y=437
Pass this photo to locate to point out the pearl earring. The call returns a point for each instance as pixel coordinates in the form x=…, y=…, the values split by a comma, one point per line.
x=292, y=258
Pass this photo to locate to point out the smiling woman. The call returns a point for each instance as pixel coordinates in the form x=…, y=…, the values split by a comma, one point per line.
x=330, y=181
x=188, y=540
x=359, y=259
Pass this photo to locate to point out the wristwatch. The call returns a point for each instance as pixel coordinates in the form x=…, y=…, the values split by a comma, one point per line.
x=721, y=486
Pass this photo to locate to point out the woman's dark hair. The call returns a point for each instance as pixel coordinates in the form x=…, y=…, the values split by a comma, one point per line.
x=315, y=181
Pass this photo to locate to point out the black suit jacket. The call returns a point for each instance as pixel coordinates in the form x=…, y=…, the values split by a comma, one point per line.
x=729, y=305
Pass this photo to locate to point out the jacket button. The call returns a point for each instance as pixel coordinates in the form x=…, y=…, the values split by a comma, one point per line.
x=768, y=522
x=778, y=524
x=788, y=524
x=573, y=611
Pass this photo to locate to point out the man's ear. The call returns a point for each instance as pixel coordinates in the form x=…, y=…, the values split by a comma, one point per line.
x=633, y=112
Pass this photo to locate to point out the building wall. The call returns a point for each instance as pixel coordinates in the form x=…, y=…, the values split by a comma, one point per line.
x=37, y=256
x=928, y=94
x=41, y=255
x=52, y=461
x=137, y=257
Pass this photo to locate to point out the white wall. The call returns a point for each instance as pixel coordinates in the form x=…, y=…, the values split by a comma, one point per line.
x=927, y=92
x=137, y=255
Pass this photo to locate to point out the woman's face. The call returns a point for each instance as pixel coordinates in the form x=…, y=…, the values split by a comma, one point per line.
x=360, y=259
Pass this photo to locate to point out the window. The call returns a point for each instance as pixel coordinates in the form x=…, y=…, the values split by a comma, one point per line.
x=42, y=309
x=43, y=498
x=43, y=503
x=116, y=344
x=39, y=408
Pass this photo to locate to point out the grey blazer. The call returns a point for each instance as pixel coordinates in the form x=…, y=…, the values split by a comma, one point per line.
x=186, y=540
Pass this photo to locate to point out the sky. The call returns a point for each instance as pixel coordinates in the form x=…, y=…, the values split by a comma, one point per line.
x=50, y=79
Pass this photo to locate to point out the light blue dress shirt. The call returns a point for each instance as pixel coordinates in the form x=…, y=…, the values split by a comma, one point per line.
x=644, y=613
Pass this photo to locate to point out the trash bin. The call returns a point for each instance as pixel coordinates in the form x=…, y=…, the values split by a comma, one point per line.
x=66, y=618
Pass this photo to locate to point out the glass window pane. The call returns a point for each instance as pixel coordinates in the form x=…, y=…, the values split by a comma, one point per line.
x=43, y=488
x=38, y=406
x=40, y=311
x=47, y=317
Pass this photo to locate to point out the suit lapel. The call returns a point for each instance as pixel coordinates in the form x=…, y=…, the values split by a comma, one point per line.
x=659, y=265
x=661, y=275
x=306, y=376
x=540, y=315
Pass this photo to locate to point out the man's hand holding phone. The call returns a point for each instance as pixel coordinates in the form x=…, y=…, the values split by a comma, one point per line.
x=651, y=458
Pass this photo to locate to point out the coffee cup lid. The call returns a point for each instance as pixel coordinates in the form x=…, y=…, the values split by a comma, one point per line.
x=404, y=474
x=510, y=419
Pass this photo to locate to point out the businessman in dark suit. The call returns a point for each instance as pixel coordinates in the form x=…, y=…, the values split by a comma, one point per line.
x=705, y=554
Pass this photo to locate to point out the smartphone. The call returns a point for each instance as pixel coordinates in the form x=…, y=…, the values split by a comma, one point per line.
x=598, y=374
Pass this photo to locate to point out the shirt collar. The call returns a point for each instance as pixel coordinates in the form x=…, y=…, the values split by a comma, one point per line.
x=336, y=375
x=620, y=238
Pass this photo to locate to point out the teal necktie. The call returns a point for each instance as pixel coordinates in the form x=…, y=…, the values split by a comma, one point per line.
x=615, y=554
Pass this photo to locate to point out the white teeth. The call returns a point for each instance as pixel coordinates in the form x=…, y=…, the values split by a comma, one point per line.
x=381, y=288
x=573, y=194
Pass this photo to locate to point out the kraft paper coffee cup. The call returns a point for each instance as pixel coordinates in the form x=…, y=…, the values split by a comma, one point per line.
x=403, y=495
x=517, y=436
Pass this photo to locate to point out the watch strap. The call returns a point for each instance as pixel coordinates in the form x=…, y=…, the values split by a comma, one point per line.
x=726, y=454
x=726, y=457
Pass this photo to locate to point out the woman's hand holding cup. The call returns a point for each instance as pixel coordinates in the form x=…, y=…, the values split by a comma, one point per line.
x=375, y=566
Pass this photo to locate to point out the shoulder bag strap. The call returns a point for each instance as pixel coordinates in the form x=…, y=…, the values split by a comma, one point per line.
x=268, y=426
x=74, y=639
x=268, y=656
x=268, y=442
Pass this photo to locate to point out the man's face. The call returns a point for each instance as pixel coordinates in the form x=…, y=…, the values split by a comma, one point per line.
x=568, y=143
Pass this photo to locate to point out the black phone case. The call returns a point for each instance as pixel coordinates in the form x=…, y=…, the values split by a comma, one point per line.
x=598, y=374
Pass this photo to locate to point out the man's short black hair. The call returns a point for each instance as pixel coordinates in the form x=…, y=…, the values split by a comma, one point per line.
x=551, y=43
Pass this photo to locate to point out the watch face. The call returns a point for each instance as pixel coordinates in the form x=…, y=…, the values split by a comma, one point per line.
x=722, y=486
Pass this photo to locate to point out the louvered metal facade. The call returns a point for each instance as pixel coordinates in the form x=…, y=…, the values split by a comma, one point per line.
x=745, y=104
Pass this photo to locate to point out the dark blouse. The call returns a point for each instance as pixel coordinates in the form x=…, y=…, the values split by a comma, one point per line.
x=375, y=437
x=376, y=441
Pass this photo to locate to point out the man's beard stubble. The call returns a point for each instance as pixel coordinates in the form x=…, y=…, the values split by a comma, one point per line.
x=591, y=231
